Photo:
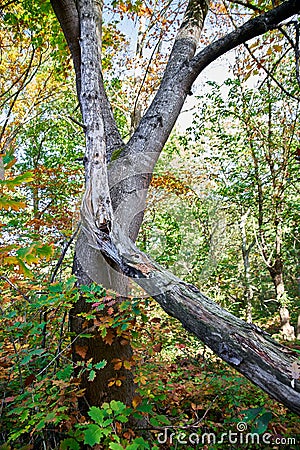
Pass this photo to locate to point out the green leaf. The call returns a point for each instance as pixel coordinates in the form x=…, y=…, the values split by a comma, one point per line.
x=45, y=251
x=22, y=252
x=24, y=415
x=154, y=422
x=65, y=373
x=56, y=288
x=250, y=414
x=117, y=406
x=100, y=364
x=262, y=423
x=121, y=418
x=97, y=415
x=138, y=443
x=163, y=419
x=116, y=446
x=24, y=269
x=145, y=407
x=93, y=434
x=41, y=424
x=92, y=375
x=19, y=179
x=69, y=443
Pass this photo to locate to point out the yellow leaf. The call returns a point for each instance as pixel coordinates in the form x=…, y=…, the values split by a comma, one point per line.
x=127, y=365
x=136, y=401
x=10, y=260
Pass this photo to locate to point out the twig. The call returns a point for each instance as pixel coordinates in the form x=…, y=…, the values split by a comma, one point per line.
x=60, y=336
x=58, y=264
x=15, y=287
x=77, y=122
x=62, y=351
x=247, y=5
x=63, y=254
x=145, y=75
x=18, y=363
x=270, y=74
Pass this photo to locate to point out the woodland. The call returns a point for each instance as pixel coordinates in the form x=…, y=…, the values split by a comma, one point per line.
x=149, y=276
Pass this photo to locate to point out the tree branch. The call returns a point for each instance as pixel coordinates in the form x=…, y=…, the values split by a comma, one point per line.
x=67, y=15
x=270, y=75
x=252, y=28
x=246, y=5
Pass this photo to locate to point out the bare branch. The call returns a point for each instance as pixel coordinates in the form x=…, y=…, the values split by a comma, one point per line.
x=246, y=5
x=252, y=28
x=270, y=75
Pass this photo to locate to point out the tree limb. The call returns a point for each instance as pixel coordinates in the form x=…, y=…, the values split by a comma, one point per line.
x=67, y=15
x=246, y=347
x=252, y=28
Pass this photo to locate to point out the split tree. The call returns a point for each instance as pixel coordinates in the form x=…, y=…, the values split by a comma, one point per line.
x=118, y=175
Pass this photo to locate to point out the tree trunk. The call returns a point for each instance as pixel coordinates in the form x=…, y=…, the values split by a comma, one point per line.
x=104, y=387
x=97, y=201
x=248, y=291
x=276, y=272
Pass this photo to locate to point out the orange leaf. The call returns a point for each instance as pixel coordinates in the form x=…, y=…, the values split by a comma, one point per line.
x=117, y=364
x=30, y=379
x=81, y=350
x=157, y=348
x=109, y=338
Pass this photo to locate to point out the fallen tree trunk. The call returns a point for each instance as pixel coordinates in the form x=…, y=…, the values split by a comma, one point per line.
x=246, y=347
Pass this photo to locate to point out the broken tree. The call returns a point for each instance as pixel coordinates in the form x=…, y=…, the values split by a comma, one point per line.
x=117, y=179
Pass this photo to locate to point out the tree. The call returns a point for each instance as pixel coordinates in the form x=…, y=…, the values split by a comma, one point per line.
x=254, y=132
x=118, y=175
